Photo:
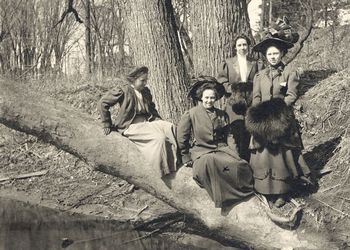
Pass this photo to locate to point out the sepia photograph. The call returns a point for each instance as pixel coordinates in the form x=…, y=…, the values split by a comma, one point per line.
x=174, y=124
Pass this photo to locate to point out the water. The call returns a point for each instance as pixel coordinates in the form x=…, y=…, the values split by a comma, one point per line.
x=28, y=227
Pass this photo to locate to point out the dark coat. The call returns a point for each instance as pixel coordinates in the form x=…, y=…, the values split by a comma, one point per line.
x=126, y=97
x=267, y=85
x=238, y=93
x=229, y=73
x=208, y=136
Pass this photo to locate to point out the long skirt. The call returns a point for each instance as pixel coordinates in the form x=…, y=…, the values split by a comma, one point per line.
x=156, y=142
x=226, y=179
x=276, y=169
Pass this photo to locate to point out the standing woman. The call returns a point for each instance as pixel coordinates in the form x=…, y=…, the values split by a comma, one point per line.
x=276, y=145
x=236, y=74
x=139, y=121
x=216, y=164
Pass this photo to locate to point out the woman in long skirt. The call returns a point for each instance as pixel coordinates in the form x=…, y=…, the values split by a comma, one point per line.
x=139, y=121
x=216, y=164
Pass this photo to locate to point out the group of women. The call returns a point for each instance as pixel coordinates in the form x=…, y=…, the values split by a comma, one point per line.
x=252, y=146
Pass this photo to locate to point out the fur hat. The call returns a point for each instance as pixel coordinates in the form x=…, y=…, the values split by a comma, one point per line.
x=269, y=121
x=279, y=34
x=201, y=82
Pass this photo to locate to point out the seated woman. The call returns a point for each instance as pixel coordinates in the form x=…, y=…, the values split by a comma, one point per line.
x=276, y=145
x=216, y=164
x=139, y=121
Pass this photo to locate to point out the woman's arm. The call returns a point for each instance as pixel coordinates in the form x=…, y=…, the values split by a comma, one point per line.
x=151, y=104
x=183, y=136
x=223, y=77
x=292, y=88
x=111, y=98
x=256, y=90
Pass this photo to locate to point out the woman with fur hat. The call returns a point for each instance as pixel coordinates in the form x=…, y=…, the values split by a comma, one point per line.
x=276, y=145
x=236, y=74
x=139, y=121
x=213, y=154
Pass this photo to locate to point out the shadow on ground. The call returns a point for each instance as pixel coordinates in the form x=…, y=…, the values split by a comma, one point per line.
x=310, y=78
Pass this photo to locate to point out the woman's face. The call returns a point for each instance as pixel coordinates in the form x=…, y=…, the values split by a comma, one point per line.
x=273, y=55
x=208, y=98
x=141, y=82
x=242, y=47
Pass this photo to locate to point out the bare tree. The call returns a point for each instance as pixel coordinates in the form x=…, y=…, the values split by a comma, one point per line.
x=70, y=9
x=151, y=30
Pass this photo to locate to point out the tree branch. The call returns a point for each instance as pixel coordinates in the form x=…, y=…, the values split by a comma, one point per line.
x=306, y=33
x=67, y=11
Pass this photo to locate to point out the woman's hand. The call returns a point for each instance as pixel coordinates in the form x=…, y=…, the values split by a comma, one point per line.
x=188, y=164
x=107, y=131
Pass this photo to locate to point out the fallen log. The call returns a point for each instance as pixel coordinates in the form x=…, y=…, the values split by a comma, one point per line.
x=81, y=135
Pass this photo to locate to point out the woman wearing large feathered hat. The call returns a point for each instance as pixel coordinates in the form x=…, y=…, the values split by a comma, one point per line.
x=276, y=145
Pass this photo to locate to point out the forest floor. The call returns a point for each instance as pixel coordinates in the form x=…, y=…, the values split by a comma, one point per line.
x=71, y=185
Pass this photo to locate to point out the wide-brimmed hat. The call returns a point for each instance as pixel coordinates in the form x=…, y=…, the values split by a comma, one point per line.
x=200, y=82
x=280, y=34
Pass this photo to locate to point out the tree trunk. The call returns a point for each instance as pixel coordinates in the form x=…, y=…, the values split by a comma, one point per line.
x=79, y=134
x=151, y=30
x=270, y=11
x=262, y=17
x=214, y=26
x=88, y=47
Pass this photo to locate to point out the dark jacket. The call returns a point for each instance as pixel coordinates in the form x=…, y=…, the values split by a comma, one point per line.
x=229, y=73
x=209, y=136
x=126, y=97
x=267, y=85
x=238, y=93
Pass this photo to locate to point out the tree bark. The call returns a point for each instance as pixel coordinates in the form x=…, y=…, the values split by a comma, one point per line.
x=151, y=30
x=79, y=134
x=214, y=26
x=88, y=44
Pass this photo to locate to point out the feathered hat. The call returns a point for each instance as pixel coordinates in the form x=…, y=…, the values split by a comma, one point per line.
x=280, y=34
x=198, y=83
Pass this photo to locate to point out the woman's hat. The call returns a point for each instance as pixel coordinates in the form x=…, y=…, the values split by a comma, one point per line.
x=279, y=34
x=199, y=83
x=136, y=72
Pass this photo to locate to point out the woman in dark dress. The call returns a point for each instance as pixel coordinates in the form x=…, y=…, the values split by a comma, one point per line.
x=276, y=145
x=216, y=164
x=139, y=121
x=236, y=74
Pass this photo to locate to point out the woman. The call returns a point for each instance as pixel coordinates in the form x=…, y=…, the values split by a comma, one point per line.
x=276, y=145
x=139, y=121
x=216, y=164
x=237, y=74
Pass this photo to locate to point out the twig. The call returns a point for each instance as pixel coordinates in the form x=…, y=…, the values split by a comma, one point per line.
x=347, y=199
x=329, y=206
x=141, y=210
x=80, y=201
x=23, y=176
x=152, y=232
x=330, y=188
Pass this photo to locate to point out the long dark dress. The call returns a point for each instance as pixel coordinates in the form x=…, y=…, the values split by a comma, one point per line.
x=216, y=164
x=276, y=157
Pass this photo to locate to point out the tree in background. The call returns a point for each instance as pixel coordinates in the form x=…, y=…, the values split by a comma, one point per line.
x=214, y=25
x=151, y=32
x=31, y=46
